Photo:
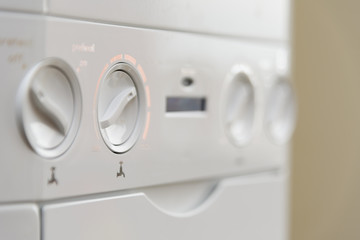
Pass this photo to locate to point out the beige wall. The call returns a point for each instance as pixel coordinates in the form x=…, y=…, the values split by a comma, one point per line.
x=326, y=166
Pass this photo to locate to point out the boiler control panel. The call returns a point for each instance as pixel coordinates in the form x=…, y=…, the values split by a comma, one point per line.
x=102, y=112
x=183, y=118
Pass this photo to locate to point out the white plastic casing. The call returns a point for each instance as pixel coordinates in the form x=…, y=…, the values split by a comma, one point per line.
x=166, y=142
x=113, y=160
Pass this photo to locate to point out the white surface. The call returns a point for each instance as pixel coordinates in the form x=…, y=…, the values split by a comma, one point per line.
x=171, y=149
x=260, y=19
x=19, y=222
x=164, y=152
x=243, y=208
x=20, y=47
x=37, y=6
x=249, y=19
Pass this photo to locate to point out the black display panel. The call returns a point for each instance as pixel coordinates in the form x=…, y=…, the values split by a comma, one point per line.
x=185, y=104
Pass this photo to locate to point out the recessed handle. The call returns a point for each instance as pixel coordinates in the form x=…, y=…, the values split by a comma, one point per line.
x=239, y=107
x=49, y=108
x=117, y=106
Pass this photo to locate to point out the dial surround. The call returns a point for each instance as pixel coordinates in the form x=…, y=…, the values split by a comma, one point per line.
x=121, y=107
x=49, y=107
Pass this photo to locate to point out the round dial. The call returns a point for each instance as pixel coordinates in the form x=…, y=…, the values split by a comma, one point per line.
x=120, y=112
x=280, y=112
x=239, y=107
x=50, y=107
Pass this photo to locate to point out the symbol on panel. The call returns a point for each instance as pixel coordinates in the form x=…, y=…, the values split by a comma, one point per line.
x=52, y=179
x=120, y=173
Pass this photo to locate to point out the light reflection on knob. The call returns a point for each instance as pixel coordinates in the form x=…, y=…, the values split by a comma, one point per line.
x=280, y=114
x=239, y=107
x=43, y=102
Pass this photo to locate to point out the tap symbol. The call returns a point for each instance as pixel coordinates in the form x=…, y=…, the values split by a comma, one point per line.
x=52, y=179
x=120, y=173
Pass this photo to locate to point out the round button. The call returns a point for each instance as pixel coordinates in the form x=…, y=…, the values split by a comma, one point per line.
x=120, y=108
x=50, y=107
x=280, y=113
x=239, y=107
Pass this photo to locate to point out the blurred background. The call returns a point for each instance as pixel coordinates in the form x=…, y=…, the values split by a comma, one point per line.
x=326, y=152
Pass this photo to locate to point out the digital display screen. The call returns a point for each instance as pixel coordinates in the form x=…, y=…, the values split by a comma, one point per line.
x=185, y=104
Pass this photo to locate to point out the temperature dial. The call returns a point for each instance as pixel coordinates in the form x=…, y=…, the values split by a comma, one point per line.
x=281, y=112
x=50, y=107
x=120, y=108
x=239, y=107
